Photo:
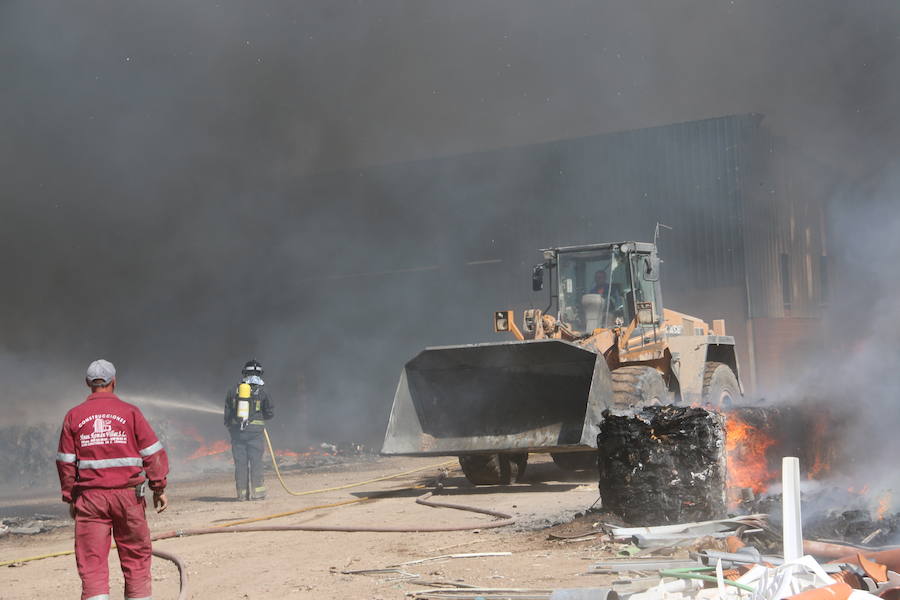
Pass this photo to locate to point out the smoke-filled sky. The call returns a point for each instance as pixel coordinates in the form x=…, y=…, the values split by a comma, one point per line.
x=151, y=154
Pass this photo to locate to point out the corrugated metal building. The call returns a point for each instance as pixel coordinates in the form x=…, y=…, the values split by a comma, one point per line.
x=786, y=261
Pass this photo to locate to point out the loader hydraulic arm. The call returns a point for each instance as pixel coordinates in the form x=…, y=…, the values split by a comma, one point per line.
x=504, y=321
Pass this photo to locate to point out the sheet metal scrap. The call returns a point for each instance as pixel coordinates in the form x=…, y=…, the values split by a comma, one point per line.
x=625, y=565
x=671, y=534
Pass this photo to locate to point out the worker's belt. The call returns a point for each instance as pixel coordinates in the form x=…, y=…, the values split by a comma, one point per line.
x=257, y=422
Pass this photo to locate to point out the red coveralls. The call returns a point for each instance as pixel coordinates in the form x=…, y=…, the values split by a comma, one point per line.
x=104, y=446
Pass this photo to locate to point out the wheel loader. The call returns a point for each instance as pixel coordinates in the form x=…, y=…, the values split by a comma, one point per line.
x=604, y=343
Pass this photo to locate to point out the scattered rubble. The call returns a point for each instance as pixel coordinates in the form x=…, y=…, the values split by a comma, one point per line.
x=31, y=525
x=853, y=523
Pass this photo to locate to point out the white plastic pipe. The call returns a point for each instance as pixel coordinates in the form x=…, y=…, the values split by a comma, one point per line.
x=790, y=495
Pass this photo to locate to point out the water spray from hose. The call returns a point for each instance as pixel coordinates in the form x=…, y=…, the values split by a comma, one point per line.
x=187, y=405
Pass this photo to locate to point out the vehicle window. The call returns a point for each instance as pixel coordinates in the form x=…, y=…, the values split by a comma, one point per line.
x=644, y=291
x=592, y=289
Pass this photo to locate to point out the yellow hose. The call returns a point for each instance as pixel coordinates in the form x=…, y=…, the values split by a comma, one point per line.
x=349, y=485
x=31, y=558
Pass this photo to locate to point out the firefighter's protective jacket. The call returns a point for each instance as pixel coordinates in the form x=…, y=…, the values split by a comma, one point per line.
x=260, y=409
x=107, y=443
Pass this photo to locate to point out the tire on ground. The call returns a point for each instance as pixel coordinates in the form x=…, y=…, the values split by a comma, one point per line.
x=637, y=386
x=575, y=461
x=720, y=385
x=493, y=469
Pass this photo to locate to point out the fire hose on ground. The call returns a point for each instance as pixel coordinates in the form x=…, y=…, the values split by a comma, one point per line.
x=423, y=500
x=239, y=527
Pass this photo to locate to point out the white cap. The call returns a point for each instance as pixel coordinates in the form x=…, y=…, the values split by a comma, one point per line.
x=101, y=369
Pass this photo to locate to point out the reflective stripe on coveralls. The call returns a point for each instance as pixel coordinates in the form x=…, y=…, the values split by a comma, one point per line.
x=149, y=450
x=106, y=463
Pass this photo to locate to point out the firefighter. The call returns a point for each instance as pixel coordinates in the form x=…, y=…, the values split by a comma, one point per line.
x=247, y=408
x=105, y=448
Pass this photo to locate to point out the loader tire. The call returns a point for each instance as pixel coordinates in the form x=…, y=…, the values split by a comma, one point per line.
x=575, y=461
x=638, y=386
x=720, y=386
x=493, y=469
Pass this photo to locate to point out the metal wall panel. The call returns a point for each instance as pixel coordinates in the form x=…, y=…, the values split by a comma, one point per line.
x=785, y=233
x=507, y=203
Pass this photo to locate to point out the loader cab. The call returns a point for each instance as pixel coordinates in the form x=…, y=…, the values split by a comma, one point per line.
x=606, y=285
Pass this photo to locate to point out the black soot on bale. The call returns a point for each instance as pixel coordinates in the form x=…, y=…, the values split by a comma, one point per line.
x=663, y=464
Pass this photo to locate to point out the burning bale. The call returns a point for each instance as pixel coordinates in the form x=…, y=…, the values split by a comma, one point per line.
x=668, y=464
x=664, y=464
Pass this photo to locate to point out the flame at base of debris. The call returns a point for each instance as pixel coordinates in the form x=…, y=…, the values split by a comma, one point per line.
x=746, y=455
x=217, y=447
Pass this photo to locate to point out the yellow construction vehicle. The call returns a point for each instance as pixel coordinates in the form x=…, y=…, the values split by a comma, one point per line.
x=608, y=346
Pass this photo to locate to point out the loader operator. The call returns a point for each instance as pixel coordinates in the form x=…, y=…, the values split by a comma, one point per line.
x=105, y=448
x=612, y=295
x=247, y=408
x=600, y=286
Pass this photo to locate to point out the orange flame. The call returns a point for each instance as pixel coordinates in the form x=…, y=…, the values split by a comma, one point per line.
x=820, y=467
x=310, y=452
x=745, y=453
x=205, y=449
x=884, y=504
x=191, y=432
x=222, y=446
x=217, y=447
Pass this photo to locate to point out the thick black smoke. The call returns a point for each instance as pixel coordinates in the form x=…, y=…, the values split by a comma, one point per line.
x=157, y=160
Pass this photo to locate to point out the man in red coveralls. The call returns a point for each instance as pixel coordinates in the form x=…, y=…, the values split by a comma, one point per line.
x=105, y=447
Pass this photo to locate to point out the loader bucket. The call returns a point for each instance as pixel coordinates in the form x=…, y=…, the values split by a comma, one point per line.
x=533, y=396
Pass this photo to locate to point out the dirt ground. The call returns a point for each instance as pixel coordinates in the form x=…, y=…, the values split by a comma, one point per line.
x=309, y=564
